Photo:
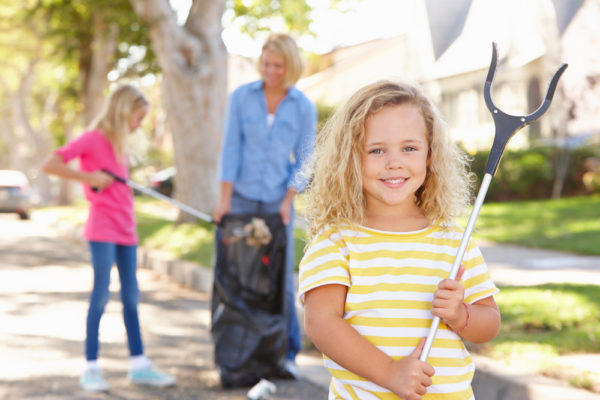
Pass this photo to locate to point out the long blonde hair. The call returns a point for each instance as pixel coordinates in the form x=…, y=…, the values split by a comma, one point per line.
x=335, y=195
x=113, y=121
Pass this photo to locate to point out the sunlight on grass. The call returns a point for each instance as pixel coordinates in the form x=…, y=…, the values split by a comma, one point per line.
x=74, y=214
x=562, y=318
x=534, y=356
x=539, y=308
x=192, y=242
x=187, y=241
x=154, y=207
x=542, y=323
x=569, y=224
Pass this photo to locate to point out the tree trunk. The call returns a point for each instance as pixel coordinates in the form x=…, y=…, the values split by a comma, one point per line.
x=33, y=143
x=193, y=60
x=103, y=49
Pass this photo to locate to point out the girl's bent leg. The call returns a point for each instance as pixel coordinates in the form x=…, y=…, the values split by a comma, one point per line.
x=130, y=295
x=103, y=257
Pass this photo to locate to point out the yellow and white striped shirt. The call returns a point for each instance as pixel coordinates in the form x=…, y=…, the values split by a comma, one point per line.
x=391, y=278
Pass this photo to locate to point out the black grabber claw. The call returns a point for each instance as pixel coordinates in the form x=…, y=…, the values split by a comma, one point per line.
x=507, y=125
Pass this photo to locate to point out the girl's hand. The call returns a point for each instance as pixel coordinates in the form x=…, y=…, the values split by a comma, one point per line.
x=99, y=180
x=410, y=377
x=448, y=302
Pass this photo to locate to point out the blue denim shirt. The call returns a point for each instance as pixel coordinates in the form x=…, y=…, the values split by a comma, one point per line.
x=261, y=161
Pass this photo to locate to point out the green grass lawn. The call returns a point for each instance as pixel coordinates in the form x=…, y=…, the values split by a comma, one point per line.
x=555, y=318
x=570, y=224
x=192, y=242
x=541, y=323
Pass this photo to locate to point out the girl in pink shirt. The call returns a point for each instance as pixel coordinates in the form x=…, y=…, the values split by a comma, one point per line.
x=110, y=228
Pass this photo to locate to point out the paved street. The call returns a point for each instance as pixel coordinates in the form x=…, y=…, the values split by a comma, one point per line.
x=44, y=284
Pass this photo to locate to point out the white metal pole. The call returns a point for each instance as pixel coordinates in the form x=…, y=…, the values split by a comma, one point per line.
x=485, y=184
x=178, y=204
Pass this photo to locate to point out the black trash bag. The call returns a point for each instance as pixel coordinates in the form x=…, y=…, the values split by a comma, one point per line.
x=249, y=324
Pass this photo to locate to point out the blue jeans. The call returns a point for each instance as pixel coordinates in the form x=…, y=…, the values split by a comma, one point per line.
x=104, y=255
x=240, y=205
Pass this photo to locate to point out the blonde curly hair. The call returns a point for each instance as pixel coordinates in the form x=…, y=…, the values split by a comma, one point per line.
x=335, y=193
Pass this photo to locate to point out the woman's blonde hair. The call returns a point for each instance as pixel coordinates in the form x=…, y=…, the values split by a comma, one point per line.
x=335, y=194
x=285, y=46
x=113, y=121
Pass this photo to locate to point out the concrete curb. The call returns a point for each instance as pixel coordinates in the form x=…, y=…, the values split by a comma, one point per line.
x=187, y=273
x=492, y=381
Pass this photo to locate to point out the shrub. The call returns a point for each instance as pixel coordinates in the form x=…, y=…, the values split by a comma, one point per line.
x=530, y=173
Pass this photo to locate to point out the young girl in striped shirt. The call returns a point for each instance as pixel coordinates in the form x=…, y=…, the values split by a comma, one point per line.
x=387, y=181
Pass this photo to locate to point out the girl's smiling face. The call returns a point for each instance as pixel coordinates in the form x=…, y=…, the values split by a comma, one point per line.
x=394, y=161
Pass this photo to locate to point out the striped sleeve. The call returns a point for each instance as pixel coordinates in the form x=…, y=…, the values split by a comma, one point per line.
x=324, y=263
x=476, y=279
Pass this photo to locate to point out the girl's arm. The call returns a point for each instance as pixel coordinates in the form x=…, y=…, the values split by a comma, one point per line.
x=333, y=336
x=478, y=322
x=484, y=321
x=55, y=166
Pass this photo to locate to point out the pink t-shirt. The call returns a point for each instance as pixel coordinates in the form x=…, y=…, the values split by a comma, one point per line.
x=111, y=217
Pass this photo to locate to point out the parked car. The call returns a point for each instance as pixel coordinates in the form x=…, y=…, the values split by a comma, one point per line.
x=15, y=193
x=162, y=181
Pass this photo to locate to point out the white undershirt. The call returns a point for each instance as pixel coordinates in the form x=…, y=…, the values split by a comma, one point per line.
x=270, y=119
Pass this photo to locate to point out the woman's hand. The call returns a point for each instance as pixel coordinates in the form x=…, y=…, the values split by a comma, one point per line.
x=285, y=209
x=224, y=205
x=448, y=302
x=410, y=377
x=223, y=208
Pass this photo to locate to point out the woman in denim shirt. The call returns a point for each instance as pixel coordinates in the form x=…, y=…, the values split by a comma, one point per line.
x=269, y=133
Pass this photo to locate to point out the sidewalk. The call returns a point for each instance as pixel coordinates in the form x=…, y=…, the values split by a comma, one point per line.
x=515, y=265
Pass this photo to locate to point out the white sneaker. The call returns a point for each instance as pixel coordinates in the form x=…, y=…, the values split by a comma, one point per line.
x=93, y=381
x=290, y=370
x=151, y=376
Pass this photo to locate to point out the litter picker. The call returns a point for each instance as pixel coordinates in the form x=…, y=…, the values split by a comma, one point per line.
x=153, y=193
x=506, y=126
x=256, y=232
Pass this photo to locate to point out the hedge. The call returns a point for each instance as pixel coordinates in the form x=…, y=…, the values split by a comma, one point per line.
x=530, y=173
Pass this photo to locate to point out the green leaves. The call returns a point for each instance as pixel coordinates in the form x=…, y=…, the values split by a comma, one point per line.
x=263, y=15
